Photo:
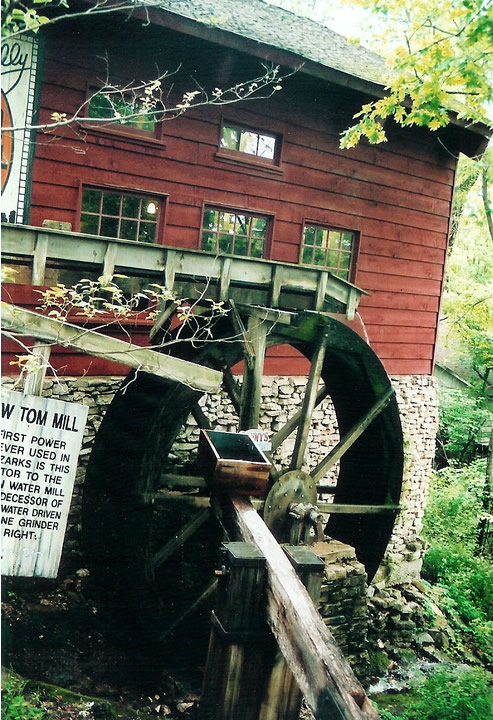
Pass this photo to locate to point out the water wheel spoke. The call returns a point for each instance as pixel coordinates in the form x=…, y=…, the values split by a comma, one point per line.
x=353, y=509
x=201, y=418
x=309, y=402
x=350, y=437
x=232, y=388
x=177, y=541
x=209, y=590
x=293, y=422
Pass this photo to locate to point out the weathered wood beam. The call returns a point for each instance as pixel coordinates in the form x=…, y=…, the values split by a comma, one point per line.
x=251, y=390
x=31, y=324
x=179, y=539
x=349, y=509
x=188, y=481
x=294, y=421
x=309, y=402
x=209, y=590
x=350, y=437
x=323, y=675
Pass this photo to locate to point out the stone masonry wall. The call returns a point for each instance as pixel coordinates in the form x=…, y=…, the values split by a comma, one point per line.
x=418, y=402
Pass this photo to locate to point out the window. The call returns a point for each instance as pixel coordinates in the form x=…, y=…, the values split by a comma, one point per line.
x=129, y=112
x=328, y=248
x=234, y=232
x=119, y=215
x=262, y=145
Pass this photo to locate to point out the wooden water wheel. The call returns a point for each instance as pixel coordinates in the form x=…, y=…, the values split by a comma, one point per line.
x=153, y=538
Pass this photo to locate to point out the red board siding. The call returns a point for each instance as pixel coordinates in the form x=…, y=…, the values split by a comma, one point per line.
x=396, y=196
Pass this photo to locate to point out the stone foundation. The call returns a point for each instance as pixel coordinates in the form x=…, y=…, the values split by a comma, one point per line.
x=418, y=403
x=343, y=602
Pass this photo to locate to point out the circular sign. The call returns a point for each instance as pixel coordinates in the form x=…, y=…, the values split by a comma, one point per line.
x=7, y=141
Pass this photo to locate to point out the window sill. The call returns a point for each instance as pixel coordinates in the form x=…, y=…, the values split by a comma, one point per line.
x=248, y=163
x=126, y=135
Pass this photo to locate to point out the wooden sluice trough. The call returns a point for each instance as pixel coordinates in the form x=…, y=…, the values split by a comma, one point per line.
x=268, y=643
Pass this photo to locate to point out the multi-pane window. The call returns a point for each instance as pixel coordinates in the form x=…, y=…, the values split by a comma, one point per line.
x=123, y=111
x=119, y=215
x=242, y=140
x=234, y=232
x=328, y=248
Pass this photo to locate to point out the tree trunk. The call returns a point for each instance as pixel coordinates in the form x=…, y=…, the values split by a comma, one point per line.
x=485, y=524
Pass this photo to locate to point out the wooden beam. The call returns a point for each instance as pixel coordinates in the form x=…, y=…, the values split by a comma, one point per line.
x=322, y=673
x=179, y=539
x=189, y=481
x=209, y=590
x=31, y=324
x=349, y=509
x=350, y=437
x=294, y=421
x=251, y=390
x=309, y=401
x=33, y=384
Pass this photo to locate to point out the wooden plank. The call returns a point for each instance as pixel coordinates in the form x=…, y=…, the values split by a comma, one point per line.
x=351, y=436
x=39, y=259
x=225, y=279
x=32, y=324
x=233, y=677
x=295, y=420
x=110, y=259
x=348, y=509
x=33, y=384
x=179, y=539
x=188, y=481
x=309, y=402
x=322, y=673
x=282, y=698
x=251, y=390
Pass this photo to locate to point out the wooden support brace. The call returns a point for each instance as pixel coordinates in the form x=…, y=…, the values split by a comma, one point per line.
x=31, y=324
x=322, y=673
x=282, y=699
x=232, y=682
x=252, y=377
x=39, y=259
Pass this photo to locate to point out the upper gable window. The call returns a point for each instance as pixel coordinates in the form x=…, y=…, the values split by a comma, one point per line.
x=124, y=112
x=251, y=142
x=119, y=215
x=329, y=248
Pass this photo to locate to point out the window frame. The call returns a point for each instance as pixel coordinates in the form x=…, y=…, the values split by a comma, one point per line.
x=254, y=212
x=128, y=131
x=132, y=192
x=317, y=224
x=272, y=164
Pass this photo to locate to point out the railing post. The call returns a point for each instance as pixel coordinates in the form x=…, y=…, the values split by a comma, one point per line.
x=232, y=682
x=282, y=699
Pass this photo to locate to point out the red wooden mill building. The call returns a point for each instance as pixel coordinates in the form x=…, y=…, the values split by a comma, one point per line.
x=257, y=200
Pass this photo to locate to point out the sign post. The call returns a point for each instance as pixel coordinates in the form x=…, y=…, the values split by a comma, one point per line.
x=40, y=444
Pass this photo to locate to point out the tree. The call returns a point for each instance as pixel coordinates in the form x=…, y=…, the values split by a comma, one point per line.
x=440, y=62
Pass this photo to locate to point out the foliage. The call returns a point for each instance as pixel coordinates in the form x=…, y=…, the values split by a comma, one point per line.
x=451, y=524
x=454, y=506
x=15, y=704
x=443, y=57
x=463, y=416
x=447, y=695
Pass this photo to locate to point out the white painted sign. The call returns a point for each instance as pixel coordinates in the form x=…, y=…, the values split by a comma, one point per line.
x=261, y=438
x=40, y=444
x=19, y=64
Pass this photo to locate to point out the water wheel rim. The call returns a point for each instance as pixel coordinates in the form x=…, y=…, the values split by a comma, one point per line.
x=370, y=471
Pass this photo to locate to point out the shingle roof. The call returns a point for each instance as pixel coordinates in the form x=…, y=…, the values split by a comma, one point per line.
x=272, y=26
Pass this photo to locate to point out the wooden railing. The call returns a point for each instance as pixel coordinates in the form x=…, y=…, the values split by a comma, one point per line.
x=261, y=282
